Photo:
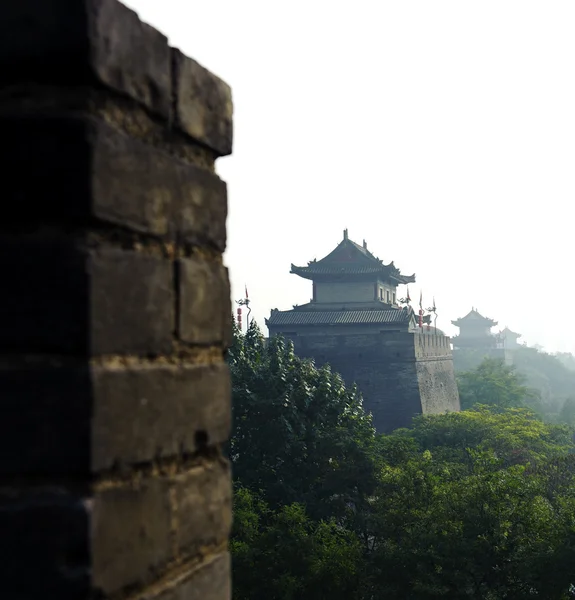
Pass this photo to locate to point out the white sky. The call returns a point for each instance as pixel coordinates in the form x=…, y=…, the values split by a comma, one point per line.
x=441, y=132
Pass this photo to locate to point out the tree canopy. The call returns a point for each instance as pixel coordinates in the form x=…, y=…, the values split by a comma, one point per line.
x=478, y=504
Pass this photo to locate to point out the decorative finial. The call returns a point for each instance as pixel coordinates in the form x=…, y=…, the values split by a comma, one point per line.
x=364, y=245
x=345, y=234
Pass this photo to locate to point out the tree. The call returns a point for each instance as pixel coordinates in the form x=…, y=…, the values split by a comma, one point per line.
x=461, y=515
x=478, y=504
x=299, y=435
x=567, y=413
x=284, y=555
x=495, y=383
x=512, y=435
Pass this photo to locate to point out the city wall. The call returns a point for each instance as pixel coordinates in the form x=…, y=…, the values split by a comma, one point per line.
x=115, y=310
x=400, y=374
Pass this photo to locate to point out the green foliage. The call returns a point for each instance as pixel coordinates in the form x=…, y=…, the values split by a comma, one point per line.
x=283, y=554
x=566, y=359
x=477, y=504
x=490, y=534
x=549, y=377
x=512, y=435
x=472, y=505
x=494, y=383
x=567, y=413
x=299, y=434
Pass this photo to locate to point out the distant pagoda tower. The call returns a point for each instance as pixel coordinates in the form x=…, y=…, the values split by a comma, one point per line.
x=476, y=341
x=474, y=332
x=351, y=288
x=357, y=323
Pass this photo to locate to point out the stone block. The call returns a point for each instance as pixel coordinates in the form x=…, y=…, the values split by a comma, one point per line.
x=204, y=302
x=130, y=531
x=96, y=173
x=79, y=42
x=209, y=581
x=143, y=413
x=67, y=300
x=203, y=209
x=132, y=303
x=203, y=104
x=203, y=497
x=81, y=419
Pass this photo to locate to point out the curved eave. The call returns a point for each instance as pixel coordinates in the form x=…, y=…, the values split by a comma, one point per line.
x=404, y=279
x=383, y=272
x=459, y=322
x=302, y=272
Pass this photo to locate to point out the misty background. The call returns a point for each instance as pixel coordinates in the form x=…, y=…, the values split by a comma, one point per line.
x=441, y=133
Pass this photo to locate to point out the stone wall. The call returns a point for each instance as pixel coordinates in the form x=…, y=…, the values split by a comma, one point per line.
x=400, y=374
x=115, y=310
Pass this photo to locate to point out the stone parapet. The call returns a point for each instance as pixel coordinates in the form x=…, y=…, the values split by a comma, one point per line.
x=115, y=310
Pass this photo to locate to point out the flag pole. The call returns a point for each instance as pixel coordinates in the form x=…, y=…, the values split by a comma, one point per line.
x=247, y=301
x=244, y=302
x=420, y=309
x=433, y=310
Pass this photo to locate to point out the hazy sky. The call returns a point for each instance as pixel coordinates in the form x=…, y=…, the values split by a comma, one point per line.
x=442, y=133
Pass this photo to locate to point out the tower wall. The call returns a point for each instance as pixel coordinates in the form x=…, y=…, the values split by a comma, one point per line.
x=115, y=310
x=400, y=374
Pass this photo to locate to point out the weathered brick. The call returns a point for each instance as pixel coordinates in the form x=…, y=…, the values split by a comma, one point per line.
x=204, y=302
x=96, y=173
x=203, y=497
x=44, y=533
x=170, y=409
x=132, y=300
x=67, y=300
x=81, y=419
x=86, y=41
x=202, y=213
x=130, y=531
x=209, y=581
x=86, y=510
x=204, y=108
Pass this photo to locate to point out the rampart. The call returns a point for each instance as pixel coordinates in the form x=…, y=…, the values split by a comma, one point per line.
x=400, y=374
x=115, y=310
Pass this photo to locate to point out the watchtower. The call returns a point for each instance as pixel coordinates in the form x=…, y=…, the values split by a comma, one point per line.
x=474, y=332
x=356, y=322
x=476, y=341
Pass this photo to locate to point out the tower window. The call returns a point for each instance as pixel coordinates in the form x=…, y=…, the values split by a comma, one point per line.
x=388, y=296
x=394, y=297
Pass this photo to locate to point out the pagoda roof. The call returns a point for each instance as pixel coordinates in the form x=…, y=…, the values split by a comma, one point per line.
x=340, y=317
x=349, y=258
x=473, y=316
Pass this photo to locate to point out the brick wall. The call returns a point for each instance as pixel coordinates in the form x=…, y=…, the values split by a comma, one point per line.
x=115, y=310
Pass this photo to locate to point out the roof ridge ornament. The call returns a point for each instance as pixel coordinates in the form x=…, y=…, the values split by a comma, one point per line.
x=345, y=236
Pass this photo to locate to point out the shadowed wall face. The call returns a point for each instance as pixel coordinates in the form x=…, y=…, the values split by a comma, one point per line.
x=399, y=374
x=115, y=310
